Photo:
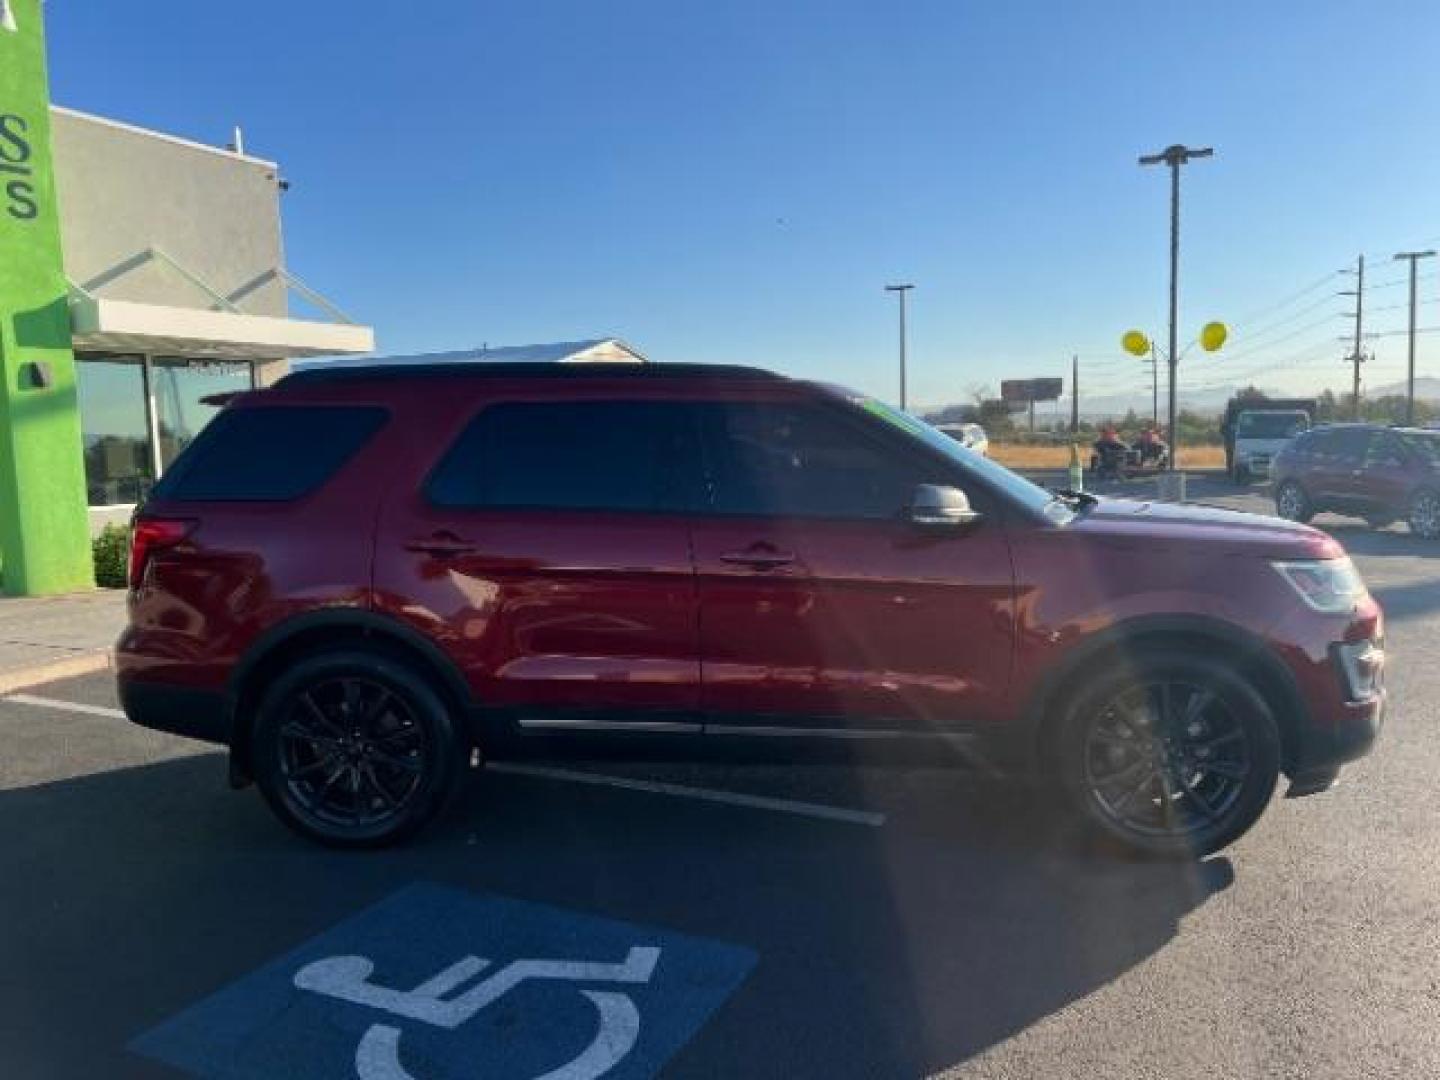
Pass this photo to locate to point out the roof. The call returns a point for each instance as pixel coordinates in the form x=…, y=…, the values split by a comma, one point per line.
x=590, y=350
x=310, y=373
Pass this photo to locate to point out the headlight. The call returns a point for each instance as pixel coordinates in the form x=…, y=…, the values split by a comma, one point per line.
x=1329, y=585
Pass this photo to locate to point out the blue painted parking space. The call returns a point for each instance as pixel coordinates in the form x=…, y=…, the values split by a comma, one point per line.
x=434, y=983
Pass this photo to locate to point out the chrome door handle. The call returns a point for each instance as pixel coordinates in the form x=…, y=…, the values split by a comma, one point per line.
x=758, y=559
x=442, y=545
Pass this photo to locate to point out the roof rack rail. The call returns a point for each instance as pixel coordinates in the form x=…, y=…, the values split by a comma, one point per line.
x=547, y=369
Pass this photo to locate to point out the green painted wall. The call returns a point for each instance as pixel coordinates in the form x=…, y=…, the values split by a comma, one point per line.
x=44, y=534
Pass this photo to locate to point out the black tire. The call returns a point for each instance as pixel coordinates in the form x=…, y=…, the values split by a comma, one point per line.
x=1181, y=781
x=370, y=785
x=1423, y=514
x=1292, y=504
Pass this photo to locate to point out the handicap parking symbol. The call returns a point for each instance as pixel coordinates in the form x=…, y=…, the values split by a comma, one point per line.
x=438, y=984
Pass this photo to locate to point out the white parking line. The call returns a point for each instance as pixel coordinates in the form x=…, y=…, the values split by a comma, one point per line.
x=654, y=787
x=64, y=706
x=684, y=791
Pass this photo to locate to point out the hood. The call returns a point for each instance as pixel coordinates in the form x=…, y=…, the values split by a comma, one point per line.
x=1225, y=532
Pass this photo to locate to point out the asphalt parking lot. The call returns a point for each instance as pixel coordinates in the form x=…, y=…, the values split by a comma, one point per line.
x=837, y=921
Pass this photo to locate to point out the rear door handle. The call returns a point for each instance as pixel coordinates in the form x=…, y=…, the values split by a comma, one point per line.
x=441, y=545
x=758, y=558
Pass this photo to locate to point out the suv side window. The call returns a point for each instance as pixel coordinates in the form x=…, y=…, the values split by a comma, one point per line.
x=1347, y=446
x=268, y=453
x=1384, y=451
x=801, y=460
x=570, y=455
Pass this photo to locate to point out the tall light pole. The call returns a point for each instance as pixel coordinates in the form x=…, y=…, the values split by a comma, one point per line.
x=1174, y=156
x=1413, y=257
x=901, y=290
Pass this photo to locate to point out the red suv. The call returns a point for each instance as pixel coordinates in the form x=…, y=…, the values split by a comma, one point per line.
x=1376, y=473
x=363, y=578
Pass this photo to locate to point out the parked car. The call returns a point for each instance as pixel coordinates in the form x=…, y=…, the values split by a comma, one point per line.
x=970, y=436
x=974, y=438
x=361, y=579
x=1363, y=470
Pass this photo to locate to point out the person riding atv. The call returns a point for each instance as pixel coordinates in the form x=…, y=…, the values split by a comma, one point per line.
x=1152, y=449
x=1108, y=460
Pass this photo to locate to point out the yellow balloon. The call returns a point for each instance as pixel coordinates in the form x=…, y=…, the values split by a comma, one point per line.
x=1213, y=336
x=1136, y=343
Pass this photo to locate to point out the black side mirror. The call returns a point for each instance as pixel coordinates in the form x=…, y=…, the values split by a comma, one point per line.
x=935, y=505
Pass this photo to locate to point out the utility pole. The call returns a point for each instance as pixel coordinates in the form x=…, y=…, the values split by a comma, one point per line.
x=1074, y=393
x=1174, y=156
x=1155, y=386
x=1356, y=358
x=901, y=290
x=1413, y=257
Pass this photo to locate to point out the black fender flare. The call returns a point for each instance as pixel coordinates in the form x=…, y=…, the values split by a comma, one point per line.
x=1237, y=644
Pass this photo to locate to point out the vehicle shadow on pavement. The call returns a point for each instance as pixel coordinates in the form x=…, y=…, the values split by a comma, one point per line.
x=970, y=915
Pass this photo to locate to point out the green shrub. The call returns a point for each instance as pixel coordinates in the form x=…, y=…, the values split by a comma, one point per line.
x=112, y=555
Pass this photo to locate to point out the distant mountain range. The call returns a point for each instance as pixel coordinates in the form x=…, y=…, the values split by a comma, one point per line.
x=1206, y=402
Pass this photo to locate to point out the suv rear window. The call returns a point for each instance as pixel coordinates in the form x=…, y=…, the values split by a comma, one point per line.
x=568, y=455
x=268, y=453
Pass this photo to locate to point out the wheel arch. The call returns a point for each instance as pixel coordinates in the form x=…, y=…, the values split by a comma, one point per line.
x=1252, y=658
x=316, y=631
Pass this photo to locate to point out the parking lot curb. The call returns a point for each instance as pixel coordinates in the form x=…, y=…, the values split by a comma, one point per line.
x=67, y=668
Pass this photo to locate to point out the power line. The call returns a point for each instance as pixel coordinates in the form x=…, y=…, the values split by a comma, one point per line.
x=1297, y=295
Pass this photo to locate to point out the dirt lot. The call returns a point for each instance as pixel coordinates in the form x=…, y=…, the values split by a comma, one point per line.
x=1057, y=457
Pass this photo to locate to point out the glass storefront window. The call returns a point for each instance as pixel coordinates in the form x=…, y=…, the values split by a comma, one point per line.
x=179, y=387
x=114, y=428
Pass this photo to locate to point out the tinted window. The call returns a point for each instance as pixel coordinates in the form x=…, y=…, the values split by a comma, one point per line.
x=268, y=453
x=1348, y=444
x=803, y=461
x=1384, y=449
x=1424, y=445
x=567, y=455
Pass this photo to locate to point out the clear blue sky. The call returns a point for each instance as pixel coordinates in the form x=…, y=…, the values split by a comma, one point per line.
x=737, y=181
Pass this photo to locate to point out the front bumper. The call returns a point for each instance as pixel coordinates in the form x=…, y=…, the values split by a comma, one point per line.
x=1349, y=728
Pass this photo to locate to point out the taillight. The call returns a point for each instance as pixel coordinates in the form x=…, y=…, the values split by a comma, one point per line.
x=149, y=535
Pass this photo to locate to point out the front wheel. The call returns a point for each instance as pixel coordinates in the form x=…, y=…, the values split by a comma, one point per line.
x=1172, y=755
x=1424, y=515
x=354, y=749
x=1292, y=504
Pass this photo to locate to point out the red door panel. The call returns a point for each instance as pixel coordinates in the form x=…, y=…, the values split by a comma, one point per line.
x=873, y=624
x=552, y=609
x=548, y=554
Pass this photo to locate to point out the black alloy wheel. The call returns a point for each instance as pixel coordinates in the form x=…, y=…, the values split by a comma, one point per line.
x=1176, y=756
x=354, y=749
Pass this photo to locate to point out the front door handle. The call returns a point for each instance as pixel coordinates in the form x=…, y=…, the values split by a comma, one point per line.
x=758, y=558
x=441, y=545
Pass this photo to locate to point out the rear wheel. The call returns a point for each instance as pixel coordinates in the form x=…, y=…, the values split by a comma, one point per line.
x=354, y=749
x=1172, y=755
x=1424, y=515
x=1292, y=504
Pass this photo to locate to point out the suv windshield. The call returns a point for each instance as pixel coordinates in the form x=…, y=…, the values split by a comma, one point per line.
x=1271, y=425
x=1031, y=496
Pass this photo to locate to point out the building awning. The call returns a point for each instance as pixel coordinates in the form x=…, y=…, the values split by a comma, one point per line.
x=101, y=325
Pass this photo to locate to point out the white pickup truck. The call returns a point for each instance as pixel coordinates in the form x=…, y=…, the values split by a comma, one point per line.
x=1259, y=435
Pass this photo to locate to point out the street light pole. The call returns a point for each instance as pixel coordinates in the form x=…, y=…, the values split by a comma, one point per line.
x=1174, y=156
x=1413, y=257
x=901, y=290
